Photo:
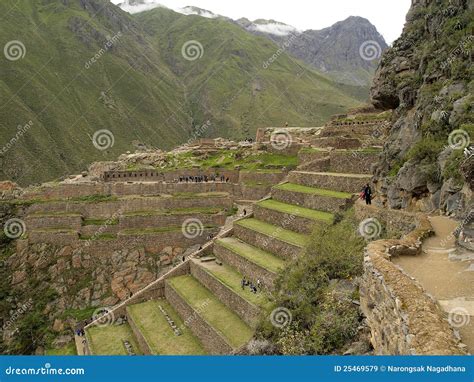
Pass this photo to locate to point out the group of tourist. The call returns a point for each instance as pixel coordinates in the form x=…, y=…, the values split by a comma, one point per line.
x=254, y=288
x=203, y=179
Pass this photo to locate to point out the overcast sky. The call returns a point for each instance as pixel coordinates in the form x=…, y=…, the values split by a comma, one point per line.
x=388, y=16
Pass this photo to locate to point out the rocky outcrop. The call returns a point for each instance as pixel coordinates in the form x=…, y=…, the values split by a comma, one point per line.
x=426, y=76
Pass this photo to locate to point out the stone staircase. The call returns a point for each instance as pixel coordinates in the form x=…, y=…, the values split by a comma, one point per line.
x=207, y=304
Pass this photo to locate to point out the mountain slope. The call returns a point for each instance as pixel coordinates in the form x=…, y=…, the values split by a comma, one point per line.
x=241, y=81
x=335, y=50
x=90, y=66
x=68, y=97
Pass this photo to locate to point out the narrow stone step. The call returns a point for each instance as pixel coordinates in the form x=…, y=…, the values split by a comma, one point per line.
x=219, y=328
x=207, y=259
x=281, y=242
x=351, y=183
x=226, y=284
x=290, y=216
x=159, y=330
x=250, y=261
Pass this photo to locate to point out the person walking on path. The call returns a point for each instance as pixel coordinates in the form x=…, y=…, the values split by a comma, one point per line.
x=368, y=194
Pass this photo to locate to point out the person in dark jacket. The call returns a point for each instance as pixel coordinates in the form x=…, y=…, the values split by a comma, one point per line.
x=368, y=194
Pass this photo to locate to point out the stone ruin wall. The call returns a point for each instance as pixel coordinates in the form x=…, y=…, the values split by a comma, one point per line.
x=403, y=318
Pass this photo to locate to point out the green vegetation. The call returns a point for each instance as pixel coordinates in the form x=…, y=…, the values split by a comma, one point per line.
x=69, y=349
x=312, y=190
x=177, y=211
x=107, y=340
x=256, y=255
x=149, y=231
x=324, y=318
x=292, y=209
x=232, y=279
x=97, y=198
x=158, y=333
x=236, y=331
x=99, y=236
x=274, y=231
x=100, y=222
x=65, y=112
x=79, y=314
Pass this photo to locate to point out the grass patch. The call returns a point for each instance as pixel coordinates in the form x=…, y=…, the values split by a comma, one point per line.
x=102, y=236
x=159, y=335
x=236, y=331
x=52, y=214
x=79, y=314
x=256, y=255
x=274, y=231
x=107, y=340
x=97, y=198
x=179, y=211
x=314, y=191
x=296, y=210
x=232, y=279
x=69, y=349
x=100, y=222
x=148, y=231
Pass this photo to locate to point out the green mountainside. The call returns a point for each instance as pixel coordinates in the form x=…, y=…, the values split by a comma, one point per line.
x=86, y=65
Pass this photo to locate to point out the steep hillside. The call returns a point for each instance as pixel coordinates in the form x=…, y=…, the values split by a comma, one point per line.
x=427, y=77
x=347, y=51
x=74, y=67
x=238, y=80
x=86, y=66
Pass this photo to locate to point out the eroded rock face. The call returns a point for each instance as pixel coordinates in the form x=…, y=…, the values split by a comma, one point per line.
x=426, y=76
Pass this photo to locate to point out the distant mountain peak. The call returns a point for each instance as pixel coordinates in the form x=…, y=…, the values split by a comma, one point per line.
x=191, y=10
x=272, y=27
x=136, y=6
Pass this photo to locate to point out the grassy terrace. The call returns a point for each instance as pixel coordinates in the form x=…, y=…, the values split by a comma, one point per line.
x=275, y=232
x=91, y=221
x=256, y=255
x=338, y=174
x=232, y=279
x=312, y=190
x=234, y=330
x=297, y=211
x=200, y=195
x=147, y=231
x=107, y=340
x=178, y=211
x=53, y=214
x=158, y=333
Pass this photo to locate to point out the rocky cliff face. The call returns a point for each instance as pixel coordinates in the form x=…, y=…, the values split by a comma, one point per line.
x=427, y=77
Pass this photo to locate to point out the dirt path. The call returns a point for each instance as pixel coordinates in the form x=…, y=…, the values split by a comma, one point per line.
x=447, y=273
